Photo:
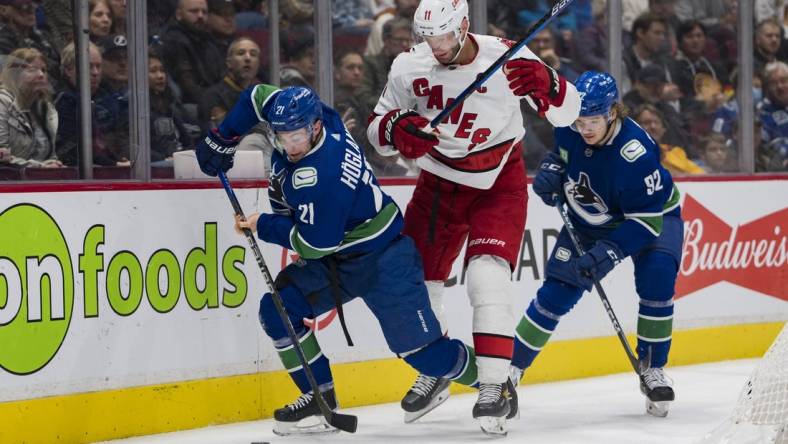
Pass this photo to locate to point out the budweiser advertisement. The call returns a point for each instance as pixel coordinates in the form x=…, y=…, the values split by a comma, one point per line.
x=751, y=254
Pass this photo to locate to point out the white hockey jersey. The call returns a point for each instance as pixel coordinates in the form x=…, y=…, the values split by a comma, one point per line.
x=477, y=138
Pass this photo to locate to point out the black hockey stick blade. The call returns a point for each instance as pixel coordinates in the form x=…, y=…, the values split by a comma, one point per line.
x=536, y=28
x=346, y=423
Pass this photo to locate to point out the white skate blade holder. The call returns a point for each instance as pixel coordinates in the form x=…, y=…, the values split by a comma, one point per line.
x=312, y=425
x=657, y=408
x=493, y=426
x=438, y=400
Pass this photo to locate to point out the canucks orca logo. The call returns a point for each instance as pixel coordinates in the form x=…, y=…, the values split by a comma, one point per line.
x=585, y=202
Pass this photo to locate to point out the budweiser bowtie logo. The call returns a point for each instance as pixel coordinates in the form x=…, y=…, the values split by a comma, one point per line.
x=752, y=255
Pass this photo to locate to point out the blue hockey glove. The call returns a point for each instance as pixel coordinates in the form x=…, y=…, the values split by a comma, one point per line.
x=216, y=153
x=596, y=263
x=550, y=179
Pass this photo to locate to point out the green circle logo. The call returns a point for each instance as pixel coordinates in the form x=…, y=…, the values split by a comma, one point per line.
x=36, y=288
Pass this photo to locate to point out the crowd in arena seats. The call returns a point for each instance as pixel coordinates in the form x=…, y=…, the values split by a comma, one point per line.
x=680, y=72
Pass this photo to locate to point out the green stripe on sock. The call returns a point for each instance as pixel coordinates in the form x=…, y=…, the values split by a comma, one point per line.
x=533, y=336
x=308, y=344
x=655, y=329
x=469, y=374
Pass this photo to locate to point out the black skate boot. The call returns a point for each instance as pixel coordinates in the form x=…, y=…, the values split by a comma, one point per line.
x=426, y=394
x=511, y=385
x=303, y=417
x=658, y=389
x=492, y=408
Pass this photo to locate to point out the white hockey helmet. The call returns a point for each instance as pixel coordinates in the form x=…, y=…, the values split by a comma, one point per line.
x=438, y=17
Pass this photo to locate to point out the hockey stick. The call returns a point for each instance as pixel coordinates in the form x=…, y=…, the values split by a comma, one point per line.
x=570, y=229
x=481, y=78
x=347, y=423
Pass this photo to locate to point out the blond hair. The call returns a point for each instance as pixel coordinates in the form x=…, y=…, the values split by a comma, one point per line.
x=68, y=56
x=15, y=64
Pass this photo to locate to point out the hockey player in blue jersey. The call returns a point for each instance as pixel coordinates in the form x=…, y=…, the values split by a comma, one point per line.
x=329, y=208
x=622, y=203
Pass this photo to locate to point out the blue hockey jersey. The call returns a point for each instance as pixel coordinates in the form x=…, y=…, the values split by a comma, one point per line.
x=335, y=201
x=619, y=191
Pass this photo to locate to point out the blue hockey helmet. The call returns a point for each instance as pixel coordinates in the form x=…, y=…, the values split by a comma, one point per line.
x=598, y=93
x=294, y=108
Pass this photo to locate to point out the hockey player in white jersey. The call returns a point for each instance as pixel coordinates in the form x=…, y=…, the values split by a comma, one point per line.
x=472, y=187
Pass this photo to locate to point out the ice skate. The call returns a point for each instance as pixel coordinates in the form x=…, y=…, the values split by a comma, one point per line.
x=492, y=408
x=425, y=394
x=658, y=389
x=515, y=374
x=303, y=416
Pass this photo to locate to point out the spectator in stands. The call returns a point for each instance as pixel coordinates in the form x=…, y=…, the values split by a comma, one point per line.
x=775, y=9
x=666, y=10
x=767, y=43
x=298, y=68
x=716, y=154
x=380, y=6
x=702, y=82
x=243, y=60
x=707, y=11
x=168, y=131
x=651, y=86
x=100, y=19
x=221, y=22
x=692, y=66
x=115, y=69
x=773, y=116
x=103, y=119
x=113, y=92
x=251, y=15
x=348, y=77
x=19, y=30
x=672, y=157
x=724, y=35
x=355, y=14
x=725, y=117
x=591, y=45
x=296, y=14
x=160, y=14
x=118, y=10
x=60, y=20
x=649, y=34
x=567, y=23
x=631, y=10
x=28, y=119
x=543, y=45
x=397, y=37
x=190, y=53
x=403, y=9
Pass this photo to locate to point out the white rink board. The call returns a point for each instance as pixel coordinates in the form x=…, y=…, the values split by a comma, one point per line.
x=110, y=351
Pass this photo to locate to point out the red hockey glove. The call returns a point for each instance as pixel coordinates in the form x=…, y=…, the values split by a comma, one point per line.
x=402, y=129
x=534, y=78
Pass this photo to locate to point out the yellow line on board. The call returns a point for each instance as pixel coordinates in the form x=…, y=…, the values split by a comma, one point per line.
x=89, y=417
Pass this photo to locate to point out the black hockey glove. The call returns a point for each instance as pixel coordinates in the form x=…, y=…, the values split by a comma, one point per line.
x=596, y=263
x=215, y=153
x=549, y=180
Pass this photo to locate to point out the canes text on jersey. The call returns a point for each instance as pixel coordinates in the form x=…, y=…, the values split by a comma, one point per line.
x=464, y=121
